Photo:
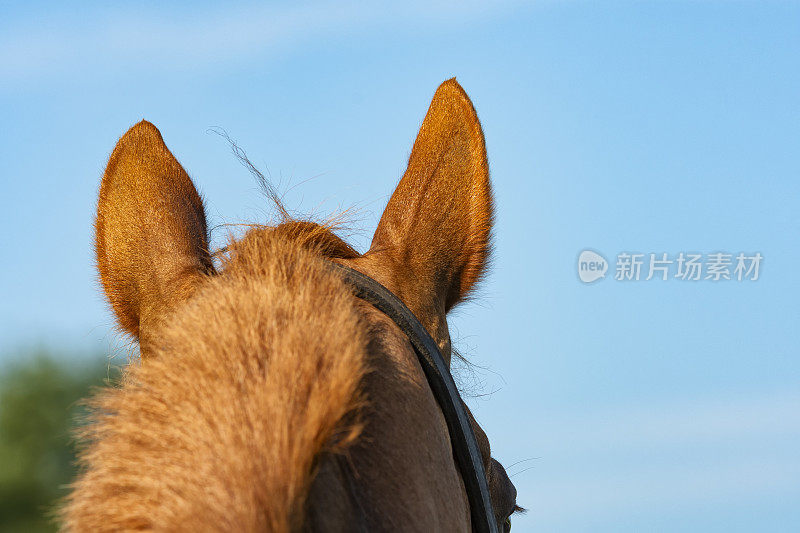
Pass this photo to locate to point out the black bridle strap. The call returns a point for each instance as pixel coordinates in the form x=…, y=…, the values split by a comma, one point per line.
x=465, y=447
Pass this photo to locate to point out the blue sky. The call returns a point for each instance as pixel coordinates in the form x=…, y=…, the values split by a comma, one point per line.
x=627, y=126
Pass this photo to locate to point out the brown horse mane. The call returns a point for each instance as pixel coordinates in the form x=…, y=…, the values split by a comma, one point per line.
x=256, y=378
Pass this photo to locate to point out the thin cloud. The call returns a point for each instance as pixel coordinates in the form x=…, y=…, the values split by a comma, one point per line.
x=695, y=422
x=626, y=491
x=162, y=39
x=611, y=463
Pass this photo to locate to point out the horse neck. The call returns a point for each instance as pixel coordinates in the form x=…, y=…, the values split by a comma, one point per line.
x=400, y=472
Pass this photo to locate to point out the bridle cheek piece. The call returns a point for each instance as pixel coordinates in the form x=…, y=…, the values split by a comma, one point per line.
x=465, y=446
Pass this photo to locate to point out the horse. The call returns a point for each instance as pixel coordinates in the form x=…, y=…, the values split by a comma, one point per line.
x=267, y=397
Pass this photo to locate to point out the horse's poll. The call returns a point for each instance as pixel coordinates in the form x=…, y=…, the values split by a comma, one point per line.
x=465, y=447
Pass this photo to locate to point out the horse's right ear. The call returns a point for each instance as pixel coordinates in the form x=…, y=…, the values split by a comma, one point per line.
x=151, y=236
x=436, y=227
x=432, y=243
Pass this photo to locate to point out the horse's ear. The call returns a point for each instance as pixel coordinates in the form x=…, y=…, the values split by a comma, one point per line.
x=151, y=237
x=435, y=232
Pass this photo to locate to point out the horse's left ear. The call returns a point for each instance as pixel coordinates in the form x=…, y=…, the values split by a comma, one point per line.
x=434, y=236
x=151, y=236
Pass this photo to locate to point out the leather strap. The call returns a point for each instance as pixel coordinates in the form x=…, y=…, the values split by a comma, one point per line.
x=465, y=446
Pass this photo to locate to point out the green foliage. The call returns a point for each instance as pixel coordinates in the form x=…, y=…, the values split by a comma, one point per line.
x=39, y=406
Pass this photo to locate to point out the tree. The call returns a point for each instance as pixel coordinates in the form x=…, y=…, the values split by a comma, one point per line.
x=39, y=406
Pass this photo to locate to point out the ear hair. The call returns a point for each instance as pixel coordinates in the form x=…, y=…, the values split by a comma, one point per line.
x=435, y=231
x=151, y=236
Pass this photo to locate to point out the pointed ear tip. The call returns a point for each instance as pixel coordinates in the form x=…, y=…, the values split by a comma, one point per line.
x=142, y=131
x=451, y=93
x=141, y=136
x=451, y=87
